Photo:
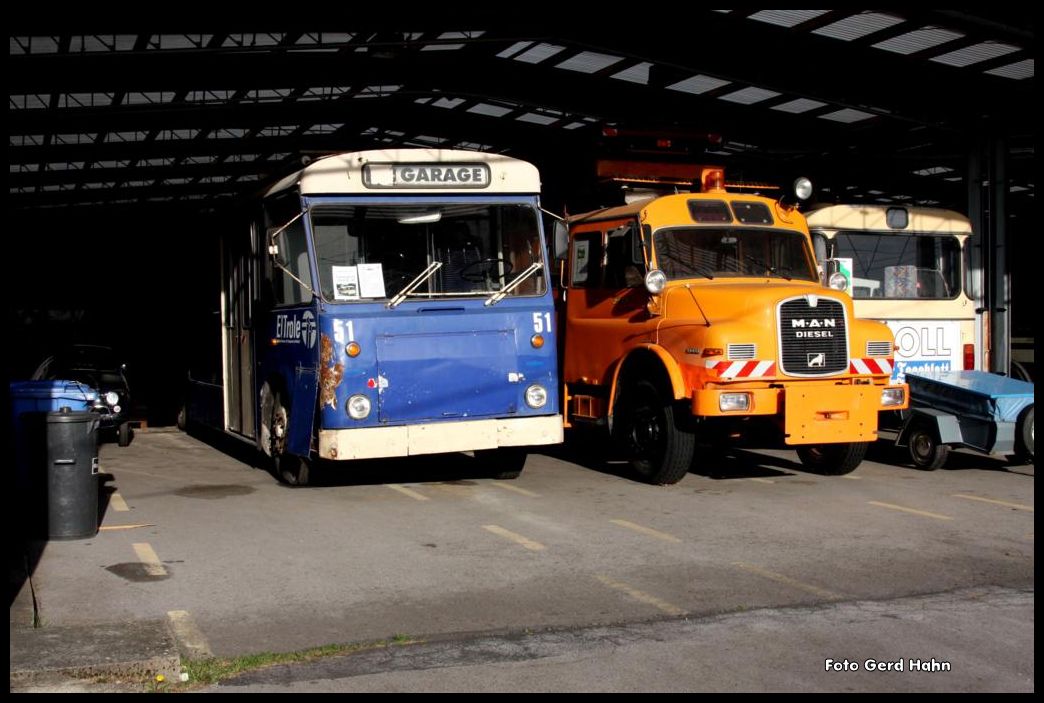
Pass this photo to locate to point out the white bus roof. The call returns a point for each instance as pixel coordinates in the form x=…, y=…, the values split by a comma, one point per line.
x=872, y=218
x=344, y=173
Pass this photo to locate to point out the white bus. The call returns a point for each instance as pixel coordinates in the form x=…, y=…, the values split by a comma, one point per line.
x=906, y=267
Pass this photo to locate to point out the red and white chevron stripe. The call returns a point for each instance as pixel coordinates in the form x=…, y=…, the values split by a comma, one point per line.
x=743, y=369
x=874, y=367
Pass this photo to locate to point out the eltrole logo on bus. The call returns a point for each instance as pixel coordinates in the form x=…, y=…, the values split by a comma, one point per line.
x=295, y=329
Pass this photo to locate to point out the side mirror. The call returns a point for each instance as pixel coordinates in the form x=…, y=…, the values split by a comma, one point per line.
x=561, y=236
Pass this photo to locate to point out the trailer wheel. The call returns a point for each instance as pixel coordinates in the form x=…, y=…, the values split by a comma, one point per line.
x=1024, y=435
x=288, y=468
x=833, y=459
x=502, y=464
x=925, y=450
x=660, y=450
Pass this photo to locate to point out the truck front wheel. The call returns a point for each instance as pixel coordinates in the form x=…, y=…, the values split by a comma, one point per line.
x=660, y=450
x=1024, y=435
x=833, y=459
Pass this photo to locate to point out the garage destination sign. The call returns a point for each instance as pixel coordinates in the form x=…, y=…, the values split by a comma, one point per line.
x=427, y=175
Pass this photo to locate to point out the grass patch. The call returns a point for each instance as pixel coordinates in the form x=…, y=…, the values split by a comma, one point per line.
x=212, y=670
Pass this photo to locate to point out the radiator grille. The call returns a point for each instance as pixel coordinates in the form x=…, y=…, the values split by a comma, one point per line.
x=813, y=340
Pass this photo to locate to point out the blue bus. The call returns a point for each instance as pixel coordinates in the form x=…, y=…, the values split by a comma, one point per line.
x=390, y=303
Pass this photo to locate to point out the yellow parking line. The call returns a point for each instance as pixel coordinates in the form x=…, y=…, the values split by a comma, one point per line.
x=761, y=480
x=117, y=503
x=125, y=527
x=641, y=596
x=853, y=478
x=191, y=640
x=646, y=530
x=406, y=491
x=515, y=537
x=516, y=489
x=148, y=558
x=787, y=580
x=909, y=510
x=1017, y=506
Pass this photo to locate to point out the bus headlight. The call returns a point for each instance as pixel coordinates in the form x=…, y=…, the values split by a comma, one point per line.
x=358, y=407
x=733, y=401
x=536, y=396
x=892, y=396
x=838, y=281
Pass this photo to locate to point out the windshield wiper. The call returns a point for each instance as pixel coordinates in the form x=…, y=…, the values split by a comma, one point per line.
x=421, y=278
x=771, y=269
x=499, y=295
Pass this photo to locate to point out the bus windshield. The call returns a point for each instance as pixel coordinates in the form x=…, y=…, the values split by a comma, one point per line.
x=900, y=266
x=374, y=251
x=712, y=252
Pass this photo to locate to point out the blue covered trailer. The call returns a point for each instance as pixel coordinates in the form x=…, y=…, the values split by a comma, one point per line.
x=984, y=411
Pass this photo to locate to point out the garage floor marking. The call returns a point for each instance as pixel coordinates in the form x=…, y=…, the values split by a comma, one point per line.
x=891, y=506
x=190, y=638
x=1017, y=506
x=787, y=580
x=641, y=596
x=515, y=537
x=646, y=530
x=117, y=503
x=516, y=489
x=146, y=555
x=406, y=491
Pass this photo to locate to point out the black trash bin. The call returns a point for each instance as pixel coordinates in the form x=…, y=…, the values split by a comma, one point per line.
x=72, y=474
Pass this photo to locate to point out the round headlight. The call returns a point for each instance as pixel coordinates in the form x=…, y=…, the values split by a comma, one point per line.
x=358, y=407
x=536, y=396
x=803, y=188
x=838, y=281
x=655, y=281
x=112, y=397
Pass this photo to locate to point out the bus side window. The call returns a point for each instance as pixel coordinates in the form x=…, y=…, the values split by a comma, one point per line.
x=293, y=255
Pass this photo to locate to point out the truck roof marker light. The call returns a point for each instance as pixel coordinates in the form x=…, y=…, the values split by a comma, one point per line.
x=537, y=340
x=353, y=349
x=714, y=180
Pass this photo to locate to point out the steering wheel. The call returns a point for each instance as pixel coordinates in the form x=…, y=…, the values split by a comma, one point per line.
x=477, y=271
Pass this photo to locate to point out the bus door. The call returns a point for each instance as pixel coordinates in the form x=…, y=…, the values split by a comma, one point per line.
x=240, y=288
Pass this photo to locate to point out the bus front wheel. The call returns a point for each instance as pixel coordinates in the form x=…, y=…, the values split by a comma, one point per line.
x=288, y=468
x=502, y=464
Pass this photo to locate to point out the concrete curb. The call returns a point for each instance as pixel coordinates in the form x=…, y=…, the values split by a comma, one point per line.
x=137, y=650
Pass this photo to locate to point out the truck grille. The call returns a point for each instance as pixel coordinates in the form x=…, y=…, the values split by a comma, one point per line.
x=813, y=340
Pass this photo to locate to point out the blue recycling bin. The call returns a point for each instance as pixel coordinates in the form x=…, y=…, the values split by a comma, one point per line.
x=30, y=403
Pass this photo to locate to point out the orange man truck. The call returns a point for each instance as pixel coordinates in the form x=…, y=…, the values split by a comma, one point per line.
x=701, y=315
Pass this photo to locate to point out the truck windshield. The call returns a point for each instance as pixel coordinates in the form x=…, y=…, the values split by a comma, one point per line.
x=367, y=252
x=690, y=252
x=900, y=265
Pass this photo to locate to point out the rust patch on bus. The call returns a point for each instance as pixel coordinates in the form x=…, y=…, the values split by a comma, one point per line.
x=330, y=373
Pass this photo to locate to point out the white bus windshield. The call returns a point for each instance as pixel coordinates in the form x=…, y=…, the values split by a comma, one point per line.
x=900, y=266
x=366, y=252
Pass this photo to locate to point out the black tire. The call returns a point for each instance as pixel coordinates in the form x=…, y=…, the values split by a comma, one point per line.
x=925, y=450
x=124, y=434
x=1024, y=435
x=502, y=464
x=1020, y=373
x=288, y=468
x=183, y=418
x=833, y=459
x=659, y=448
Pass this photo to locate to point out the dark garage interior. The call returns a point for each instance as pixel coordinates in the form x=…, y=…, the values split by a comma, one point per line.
x=130, y=146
